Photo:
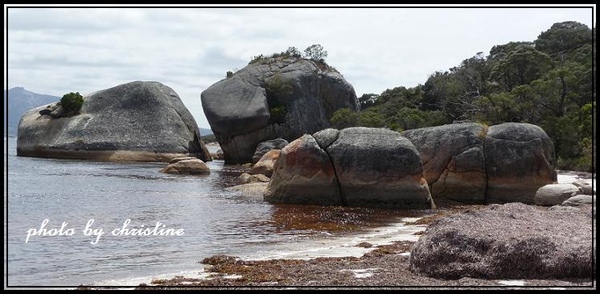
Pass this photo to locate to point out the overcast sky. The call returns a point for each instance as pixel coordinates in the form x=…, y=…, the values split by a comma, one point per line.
x=60, y=50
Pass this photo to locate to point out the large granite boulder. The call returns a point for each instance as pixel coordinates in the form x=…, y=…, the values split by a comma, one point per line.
x=453, y=161
x=304, y=174
x=471, y=163
x=282, y=97
x=354, y=167
x=137, y=121
x=507, y=241
x=519, y=159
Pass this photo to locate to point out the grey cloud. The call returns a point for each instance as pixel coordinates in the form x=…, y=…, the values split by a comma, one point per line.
x=192, y=48
x=65, y=19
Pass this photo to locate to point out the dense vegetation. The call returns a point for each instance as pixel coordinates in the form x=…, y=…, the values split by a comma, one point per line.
x=315, y=53
x=277, y=89
x=548, y=82
x=71, y=102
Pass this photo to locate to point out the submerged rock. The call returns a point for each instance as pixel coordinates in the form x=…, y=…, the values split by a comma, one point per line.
x=193, y=166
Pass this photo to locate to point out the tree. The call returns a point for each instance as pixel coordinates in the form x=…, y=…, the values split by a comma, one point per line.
x=367, y=100
x=315, y=52
x=520, y=66
x=549, y=83
x=562, y=37
x=294, y=52
x=473, y=74
x=500, y=51
x=443, y=91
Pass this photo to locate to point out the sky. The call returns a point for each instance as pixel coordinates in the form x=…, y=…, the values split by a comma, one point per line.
x=57, y=49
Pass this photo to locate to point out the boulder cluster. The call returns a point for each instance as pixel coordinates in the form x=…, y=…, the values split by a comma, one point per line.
x=468, y=163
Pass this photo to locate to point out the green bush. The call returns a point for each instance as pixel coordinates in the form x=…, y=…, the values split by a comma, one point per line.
x=71, y=102
x=277, y=90
x=278, y=114
x=344, y=118
x=259, y=59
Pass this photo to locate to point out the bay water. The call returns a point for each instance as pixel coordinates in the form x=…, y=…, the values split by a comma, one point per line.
x=73, y=222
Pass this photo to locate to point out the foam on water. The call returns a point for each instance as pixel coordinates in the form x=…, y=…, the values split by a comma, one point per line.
x=570, y=178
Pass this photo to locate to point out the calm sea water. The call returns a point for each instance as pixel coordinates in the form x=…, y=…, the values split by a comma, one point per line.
x=73, y=194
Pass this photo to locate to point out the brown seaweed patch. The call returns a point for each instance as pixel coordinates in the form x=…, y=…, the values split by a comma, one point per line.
x=286, y=217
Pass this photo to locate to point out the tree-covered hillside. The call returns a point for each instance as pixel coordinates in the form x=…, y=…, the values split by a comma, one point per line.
x=548, y=82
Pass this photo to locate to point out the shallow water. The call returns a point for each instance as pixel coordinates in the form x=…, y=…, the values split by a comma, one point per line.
x=75, y=194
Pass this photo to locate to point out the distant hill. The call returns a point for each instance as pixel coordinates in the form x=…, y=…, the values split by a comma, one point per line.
x=20, y=101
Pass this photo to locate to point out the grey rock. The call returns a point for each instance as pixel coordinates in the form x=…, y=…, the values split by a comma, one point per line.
x=266, y=146
x=266, y=164
x=453, y=161
x=508, y=241
x=579, y=200
x=326, y=137
x=519, y=159
x=137, y=121
x=252, y=190
x=303, y=174
x=372, y=167
x=584, y=187
x=248, y=178
x=177, y=159
x=192, y=166
x=238, y=110
x=379, y=167
x=554, y=194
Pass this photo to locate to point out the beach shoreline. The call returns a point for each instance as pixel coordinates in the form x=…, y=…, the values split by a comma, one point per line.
x=377, y=259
